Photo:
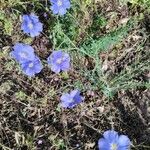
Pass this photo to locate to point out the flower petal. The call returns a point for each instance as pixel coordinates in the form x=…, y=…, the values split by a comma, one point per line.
x=60, y=6
x=28, y=71
x=36, y=68
x=23, y=52
x=75, y=94
x=55, y=9
x=55, y=68
x=57, y=54
x=67, y=4
x=31, y=25
x=62, y=11
x=65, y=100
x=111, y=136
x=103, y=144
x=38, y=65
x=124, y=142
x=65, y=66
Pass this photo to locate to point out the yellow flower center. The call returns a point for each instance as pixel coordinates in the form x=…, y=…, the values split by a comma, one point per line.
x=31, y=65
x=30, y=25
x=59, y=3
x=114, y=146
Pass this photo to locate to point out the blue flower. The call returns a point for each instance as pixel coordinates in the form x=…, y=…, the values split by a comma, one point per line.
x=112, y=141
x=60, y=6
x=32, y=67
x=58, y=61
x=23, y=52
x=29, y=62
x=71, y=100
x=31, y=25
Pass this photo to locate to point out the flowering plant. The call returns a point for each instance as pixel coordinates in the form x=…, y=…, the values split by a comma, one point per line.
x=70, y=100
x=112, y=141
x=60, y=6
x=31, y=25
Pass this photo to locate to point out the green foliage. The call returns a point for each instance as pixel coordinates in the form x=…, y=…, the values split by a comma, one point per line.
x=123, y=2
x=57, y=143
x=69, y=33
x=125, y=80
x=29, y=141
x=143, y=3
x=99, y=22
x=88, y=2
x=5, y=86
x=10, y=3
x=64, y=35
x=108, y=92
x=93, y=47
x=71, y=30
x=28, y=40
x=8, y=26
x=20, y=95
x=6, y=23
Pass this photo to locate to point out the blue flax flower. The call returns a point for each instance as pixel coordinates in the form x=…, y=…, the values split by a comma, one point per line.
x=29, y=62
x=112, y=141
x=58, y=61
x=32, y=67
x=22, y=52
x=31, y=25
x=60, y=6
x=69, y=100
